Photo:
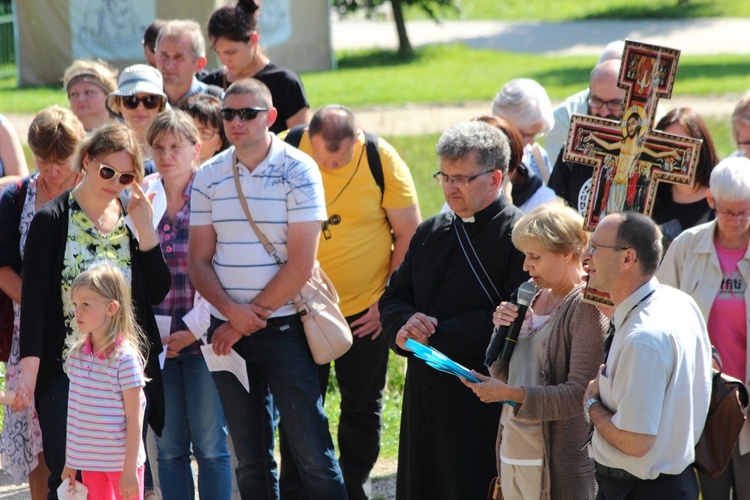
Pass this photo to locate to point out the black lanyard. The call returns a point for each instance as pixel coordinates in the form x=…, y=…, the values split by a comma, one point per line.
x=611, y=332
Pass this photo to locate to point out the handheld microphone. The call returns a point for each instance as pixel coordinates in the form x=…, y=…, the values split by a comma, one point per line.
x=506, y=336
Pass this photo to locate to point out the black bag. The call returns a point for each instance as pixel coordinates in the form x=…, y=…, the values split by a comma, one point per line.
x=723, y=424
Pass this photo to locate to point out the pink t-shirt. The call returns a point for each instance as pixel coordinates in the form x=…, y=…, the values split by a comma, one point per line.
x=727, y=326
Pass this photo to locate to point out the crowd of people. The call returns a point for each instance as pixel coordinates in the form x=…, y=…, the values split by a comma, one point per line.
x=129, y=249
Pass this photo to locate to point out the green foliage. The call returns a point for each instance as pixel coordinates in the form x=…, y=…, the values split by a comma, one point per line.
x=434, y=9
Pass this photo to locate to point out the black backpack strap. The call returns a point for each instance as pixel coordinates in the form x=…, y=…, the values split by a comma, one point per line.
x=294, y=136
x=214, y=90
x=373, y=159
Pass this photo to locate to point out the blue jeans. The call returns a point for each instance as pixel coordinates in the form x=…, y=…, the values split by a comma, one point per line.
x=361, y=376
x=279, y=363
x=193, y=415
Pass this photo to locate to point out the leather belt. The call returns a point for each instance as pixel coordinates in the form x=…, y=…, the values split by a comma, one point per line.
x=612, y=473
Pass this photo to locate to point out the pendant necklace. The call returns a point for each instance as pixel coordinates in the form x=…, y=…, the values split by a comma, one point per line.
x=335, y=219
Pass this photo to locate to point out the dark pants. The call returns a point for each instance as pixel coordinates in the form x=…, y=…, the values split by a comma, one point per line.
x=361, y=375
x=667, y=486
x=279, y=363
x=52, y=406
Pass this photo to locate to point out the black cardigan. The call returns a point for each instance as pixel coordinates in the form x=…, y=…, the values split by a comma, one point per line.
x=42, y=324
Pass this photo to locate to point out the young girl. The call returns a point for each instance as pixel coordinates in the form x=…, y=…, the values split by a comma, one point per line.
x=106, y=401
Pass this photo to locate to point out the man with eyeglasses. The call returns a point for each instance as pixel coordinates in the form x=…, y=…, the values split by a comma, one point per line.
x=251, y=295
x=460, y=265
x=648, y=405
x=180, y=55
x=370, y=223
x=603, y=99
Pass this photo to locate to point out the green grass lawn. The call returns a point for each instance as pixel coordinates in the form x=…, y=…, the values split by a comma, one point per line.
x=445, y=74
x=549, y=10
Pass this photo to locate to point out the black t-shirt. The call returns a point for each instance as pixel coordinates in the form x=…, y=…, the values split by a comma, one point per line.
x=571, y=182
x=287, y=91
x=674, y=218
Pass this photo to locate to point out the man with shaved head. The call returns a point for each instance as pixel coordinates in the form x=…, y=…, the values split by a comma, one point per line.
x=572, y=181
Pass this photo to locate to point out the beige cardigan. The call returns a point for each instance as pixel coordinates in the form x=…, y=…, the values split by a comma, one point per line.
x=572, y=357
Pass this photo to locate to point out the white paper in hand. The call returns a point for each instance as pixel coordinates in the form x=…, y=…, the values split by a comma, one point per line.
x=164, y=324
x=152, y=184
x=77, y=491
x=232, y=362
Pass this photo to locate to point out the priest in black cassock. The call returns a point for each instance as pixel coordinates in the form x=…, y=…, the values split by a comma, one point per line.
x=460, y=265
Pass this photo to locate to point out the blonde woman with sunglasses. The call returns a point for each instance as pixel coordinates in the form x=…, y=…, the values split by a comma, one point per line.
x=84, y=227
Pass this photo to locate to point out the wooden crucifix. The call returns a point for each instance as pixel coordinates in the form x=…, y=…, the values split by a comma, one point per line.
x=628, y=156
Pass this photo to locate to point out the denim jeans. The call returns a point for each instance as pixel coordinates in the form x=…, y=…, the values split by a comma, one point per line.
x=279, y=363
x=361, y=376
x=193, y=415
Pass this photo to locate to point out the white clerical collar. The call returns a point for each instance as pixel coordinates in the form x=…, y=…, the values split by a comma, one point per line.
x=468, y=219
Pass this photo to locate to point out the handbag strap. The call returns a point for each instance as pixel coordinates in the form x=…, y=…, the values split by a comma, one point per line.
x=267, y=245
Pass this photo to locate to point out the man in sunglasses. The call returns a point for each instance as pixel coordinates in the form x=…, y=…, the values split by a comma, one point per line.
x=251, y=295
x=363, y=242
x=460, y=265
x=180, y=55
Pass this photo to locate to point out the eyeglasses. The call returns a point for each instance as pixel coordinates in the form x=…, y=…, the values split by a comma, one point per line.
x=206, y=134
x=150, y=101
x=744, y=215
x=615, y=105
x=245, y=114
x=458, y=180
x=593, y=248
x=106, y=172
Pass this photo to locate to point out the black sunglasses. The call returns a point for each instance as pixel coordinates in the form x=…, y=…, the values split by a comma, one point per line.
x=245, y=114
x=149, y=102
x=106, y=172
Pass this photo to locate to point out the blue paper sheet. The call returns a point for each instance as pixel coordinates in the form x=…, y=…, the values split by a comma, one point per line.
x=439, y=361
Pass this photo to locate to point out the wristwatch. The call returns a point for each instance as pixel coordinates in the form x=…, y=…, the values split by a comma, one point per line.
x=591, y=402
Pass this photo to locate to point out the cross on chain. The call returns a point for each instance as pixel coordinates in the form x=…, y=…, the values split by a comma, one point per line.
x=628, y=156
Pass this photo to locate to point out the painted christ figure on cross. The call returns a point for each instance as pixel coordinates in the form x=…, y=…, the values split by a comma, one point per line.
x=629, y=159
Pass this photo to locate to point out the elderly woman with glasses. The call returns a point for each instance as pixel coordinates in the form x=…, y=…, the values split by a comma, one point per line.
x=711, y=262
x=138, y=99
x=561, y=343
x=78, y=229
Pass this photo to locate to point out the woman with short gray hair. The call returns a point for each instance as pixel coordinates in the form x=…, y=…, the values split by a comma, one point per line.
x=711, y=262
x=525, y=104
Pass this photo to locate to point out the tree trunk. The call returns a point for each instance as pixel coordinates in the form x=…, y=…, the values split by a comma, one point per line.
x=404, y=46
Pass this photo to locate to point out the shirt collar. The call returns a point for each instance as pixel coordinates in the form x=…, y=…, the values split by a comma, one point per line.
x=88, y=348
x=276, y=155
x=627, y=305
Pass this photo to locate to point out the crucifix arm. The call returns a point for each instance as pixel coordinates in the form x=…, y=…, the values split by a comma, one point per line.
x=600, y=142
x=662, y=154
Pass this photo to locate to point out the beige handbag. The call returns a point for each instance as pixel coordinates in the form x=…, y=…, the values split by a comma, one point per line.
x=328, y=334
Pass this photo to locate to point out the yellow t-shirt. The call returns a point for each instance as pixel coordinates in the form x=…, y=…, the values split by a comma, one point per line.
x=356, y=244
